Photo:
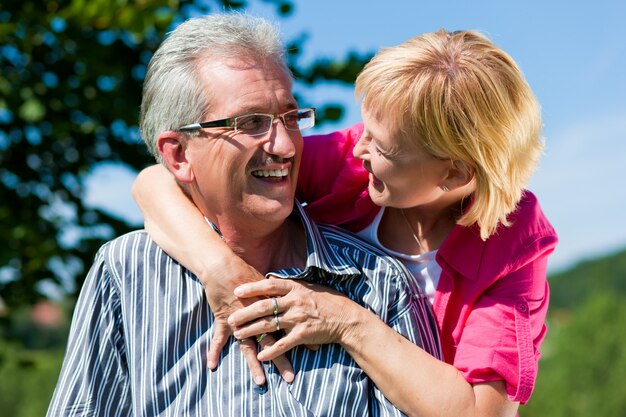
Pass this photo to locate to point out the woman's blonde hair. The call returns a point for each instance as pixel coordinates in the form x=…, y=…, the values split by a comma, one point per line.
x=459, y=96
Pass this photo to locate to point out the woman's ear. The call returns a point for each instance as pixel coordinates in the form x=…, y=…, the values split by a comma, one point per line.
x=173, y=148
x=459, y=175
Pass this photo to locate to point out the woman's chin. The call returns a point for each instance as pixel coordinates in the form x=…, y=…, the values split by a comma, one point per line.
x=378, y=195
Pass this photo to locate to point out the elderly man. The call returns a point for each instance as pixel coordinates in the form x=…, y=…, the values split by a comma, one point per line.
x=218, y=111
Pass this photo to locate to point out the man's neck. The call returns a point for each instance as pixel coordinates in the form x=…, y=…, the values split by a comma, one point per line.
x=268, y=248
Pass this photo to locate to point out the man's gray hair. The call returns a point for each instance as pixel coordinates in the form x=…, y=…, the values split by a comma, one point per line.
x=172, y=93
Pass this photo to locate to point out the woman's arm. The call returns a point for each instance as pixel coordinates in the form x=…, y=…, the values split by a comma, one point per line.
x=415, y=381
x=409, y=377
x=179, y=228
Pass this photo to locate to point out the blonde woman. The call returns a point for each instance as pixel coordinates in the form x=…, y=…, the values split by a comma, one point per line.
x=436, y=176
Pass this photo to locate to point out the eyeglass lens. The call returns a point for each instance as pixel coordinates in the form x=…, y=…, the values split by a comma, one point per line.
x=259, y=124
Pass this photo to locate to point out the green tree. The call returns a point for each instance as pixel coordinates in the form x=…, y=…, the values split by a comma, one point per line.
x=570, y=288
x=584, y=366
x=70, y=87
x=27, y=380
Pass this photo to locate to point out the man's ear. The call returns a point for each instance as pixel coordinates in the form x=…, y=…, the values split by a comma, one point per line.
x=173, y=148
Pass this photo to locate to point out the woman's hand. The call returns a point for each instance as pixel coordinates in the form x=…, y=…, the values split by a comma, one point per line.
x=309, y=314
x=219, y=292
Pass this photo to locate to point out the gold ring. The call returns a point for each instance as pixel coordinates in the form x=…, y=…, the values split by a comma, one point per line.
x=240, y=341
x=277, y=322
x=260, y=337
x=275, y=307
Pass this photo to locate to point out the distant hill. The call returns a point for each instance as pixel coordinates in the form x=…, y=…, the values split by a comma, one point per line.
x=570, y=288
x=583, y=364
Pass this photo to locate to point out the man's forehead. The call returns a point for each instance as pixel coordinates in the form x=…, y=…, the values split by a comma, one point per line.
x=226, y=66
x=243, y=85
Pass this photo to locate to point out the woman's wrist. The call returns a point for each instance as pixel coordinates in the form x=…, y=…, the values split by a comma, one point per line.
x=354, y=327
x=221, y=264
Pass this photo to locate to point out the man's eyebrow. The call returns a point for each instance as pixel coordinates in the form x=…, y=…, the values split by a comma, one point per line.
x=256, y=109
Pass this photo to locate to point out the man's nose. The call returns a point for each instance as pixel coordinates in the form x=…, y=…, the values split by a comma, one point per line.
x=280, y=141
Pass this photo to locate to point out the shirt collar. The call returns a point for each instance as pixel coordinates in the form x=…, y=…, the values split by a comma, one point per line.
x=320, y=253
x=319, y=256
x=463, y=251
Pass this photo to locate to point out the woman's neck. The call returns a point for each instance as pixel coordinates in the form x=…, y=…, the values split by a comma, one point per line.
x=416, y=230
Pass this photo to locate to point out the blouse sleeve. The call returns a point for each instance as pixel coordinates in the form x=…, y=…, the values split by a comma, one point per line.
x=504, y=331
x=492, y=299
x=332, y=183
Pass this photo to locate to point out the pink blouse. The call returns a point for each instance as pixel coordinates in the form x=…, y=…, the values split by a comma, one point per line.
x=492, y=297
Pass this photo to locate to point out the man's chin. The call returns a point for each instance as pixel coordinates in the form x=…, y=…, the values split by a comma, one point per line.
x=272, y=209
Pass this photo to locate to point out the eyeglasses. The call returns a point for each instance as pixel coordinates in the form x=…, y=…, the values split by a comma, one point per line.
x=257, y=124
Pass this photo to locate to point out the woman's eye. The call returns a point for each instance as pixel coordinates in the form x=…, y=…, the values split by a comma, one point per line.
x=380, y=151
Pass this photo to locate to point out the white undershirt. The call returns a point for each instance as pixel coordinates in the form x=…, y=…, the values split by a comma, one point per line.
x=423, y=267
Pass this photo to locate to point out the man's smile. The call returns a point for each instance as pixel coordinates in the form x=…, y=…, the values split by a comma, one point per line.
x=271, y=173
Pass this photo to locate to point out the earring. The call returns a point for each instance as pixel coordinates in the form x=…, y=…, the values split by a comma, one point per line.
x=445, y=188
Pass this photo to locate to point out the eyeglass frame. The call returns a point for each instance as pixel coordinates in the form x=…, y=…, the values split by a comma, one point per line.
x=232, y=122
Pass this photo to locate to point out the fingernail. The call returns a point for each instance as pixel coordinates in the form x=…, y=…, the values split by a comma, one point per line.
x=288, y=376
x=238, y=291
x=259, y=380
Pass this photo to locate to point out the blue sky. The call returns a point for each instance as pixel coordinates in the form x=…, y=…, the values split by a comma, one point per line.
x=573, y=54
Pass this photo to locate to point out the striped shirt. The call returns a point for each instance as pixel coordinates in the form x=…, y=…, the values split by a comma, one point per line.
x=141, y=328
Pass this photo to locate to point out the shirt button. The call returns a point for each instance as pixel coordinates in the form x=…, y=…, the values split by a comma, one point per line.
x=522, y=307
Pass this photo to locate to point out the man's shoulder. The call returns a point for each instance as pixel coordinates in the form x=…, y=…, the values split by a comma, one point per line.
x=352, y=248
x=337, y=235
x=131, y=242
x=131, y=250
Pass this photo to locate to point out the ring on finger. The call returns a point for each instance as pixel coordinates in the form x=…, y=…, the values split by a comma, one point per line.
x=260, y=337
x=277, y=322
x=240, y=341
x=275, y=302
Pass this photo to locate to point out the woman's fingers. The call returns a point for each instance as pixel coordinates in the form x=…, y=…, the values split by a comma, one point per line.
x=280, y=361
x=265, y=324
x=249, y=351
x=264, y=288
x=308, y=315
x=220, y=337
x=259, y=309
x=277, y=349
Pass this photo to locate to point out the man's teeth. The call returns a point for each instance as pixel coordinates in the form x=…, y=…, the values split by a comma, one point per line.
x=271, y=173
